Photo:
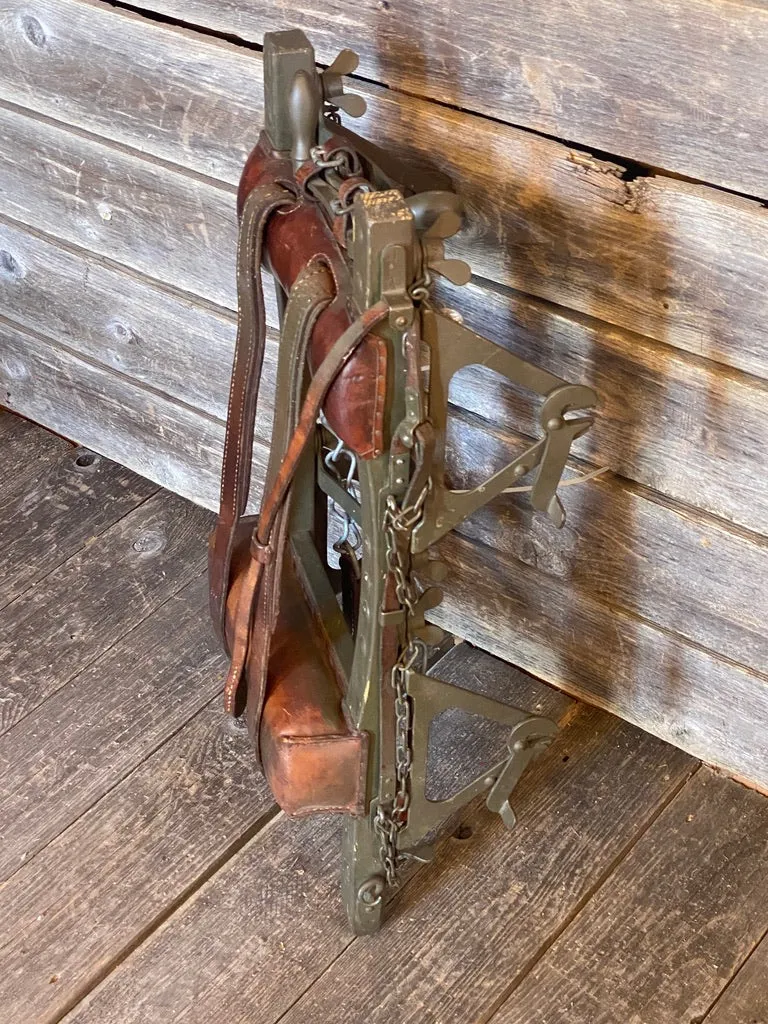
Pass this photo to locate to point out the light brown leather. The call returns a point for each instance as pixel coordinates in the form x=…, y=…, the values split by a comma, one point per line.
x=313, y=289
x=246, y=371
x=312, y=760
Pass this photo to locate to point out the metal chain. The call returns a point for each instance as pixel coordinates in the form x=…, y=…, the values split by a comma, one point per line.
x=399, y=524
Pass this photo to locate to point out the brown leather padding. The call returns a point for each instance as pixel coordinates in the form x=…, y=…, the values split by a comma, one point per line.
x=354, y=407
x=311, y=757
x=312, y=760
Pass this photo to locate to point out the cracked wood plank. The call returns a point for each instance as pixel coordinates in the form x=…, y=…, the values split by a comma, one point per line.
x=679, y=87
x=682, y=263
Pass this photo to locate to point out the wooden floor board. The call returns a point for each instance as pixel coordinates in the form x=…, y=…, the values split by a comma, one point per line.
x=672, y=924
x=54, y=498
x=270, y=925
x=745, y=1000
x=146, y=878
x=51, y=632
x=93, y=892
x=104, y=722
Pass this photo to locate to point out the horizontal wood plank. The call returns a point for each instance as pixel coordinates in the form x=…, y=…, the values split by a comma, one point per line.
x=654, y=84
x=465, y=923
x=670, y=421
x=119, y=320
x=697, y=880
x=647, y=391
x=51, y=633
x=153, y=219
x=681, y=263
x=670, y=565
x=169, y=443
x=679, y=692
x=89, y=735
x=627, y=547
x=88, y=898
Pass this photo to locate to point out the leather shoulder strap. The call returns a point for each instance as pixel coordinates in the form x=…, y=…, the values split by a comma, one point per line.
x=260, y=204
x=263, y=551
x=312, y=291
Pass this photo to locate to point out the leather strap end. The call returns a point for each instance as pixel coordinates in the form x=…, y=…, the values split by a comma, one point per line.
x=242, y=635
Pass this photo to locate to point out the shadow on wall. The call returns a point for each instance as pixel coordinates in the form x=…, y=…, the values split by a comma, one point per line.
x=624, y=668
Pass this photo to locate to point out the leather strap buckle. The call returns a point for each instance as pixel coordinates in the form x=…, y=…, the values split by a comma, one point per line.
x=261, y=552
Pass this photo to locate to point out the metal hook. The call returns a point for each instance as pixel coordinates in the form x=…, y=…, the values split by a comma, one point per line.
x=332, y=457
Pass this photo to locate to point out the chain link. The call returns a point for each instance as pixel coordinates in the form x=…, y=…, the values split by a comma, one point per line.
x=399, y=524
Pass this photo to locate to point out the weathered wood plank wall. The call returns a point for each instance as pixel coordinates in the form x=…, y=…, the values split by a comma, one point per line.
x=598, y=257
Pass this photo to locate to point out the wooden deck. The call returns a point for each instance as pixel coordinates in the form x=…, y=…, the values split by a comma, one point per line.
x=146, y=876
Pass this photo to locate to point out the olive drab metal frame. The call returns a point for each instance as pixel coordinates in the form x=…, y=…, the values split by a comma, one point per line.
x=398, y=505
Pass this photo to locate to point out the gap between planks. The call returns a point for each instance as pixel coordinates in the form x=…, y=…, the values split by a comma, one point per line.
x=496, y=540
x=588, y=192
x=553, y=96
x=256, y=828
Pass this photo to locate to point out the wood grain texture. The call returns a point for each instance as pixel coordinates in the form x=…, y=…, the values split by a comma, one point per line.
x=135, y=327
x=153, y=335
x=697, y=881
x=462, y=746
x=54, y=498
x=628, y=548
x=567, y=636
x=90, y=734
x=276, y=908
x=52, y=633
x=745, y=1000
x=678, y=262
x=467, y=926
x=152, y=219
x=91, y=894
x=679, y=88
x=648, y=391
x=668, y=420
x=164, y=440
x=675, y=568
x=679, y=692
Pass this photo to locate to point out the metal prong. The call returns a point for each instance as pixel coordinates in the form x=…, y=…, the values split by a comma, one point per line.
x=456, y=271
x=344, y=64
x=351, y=104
